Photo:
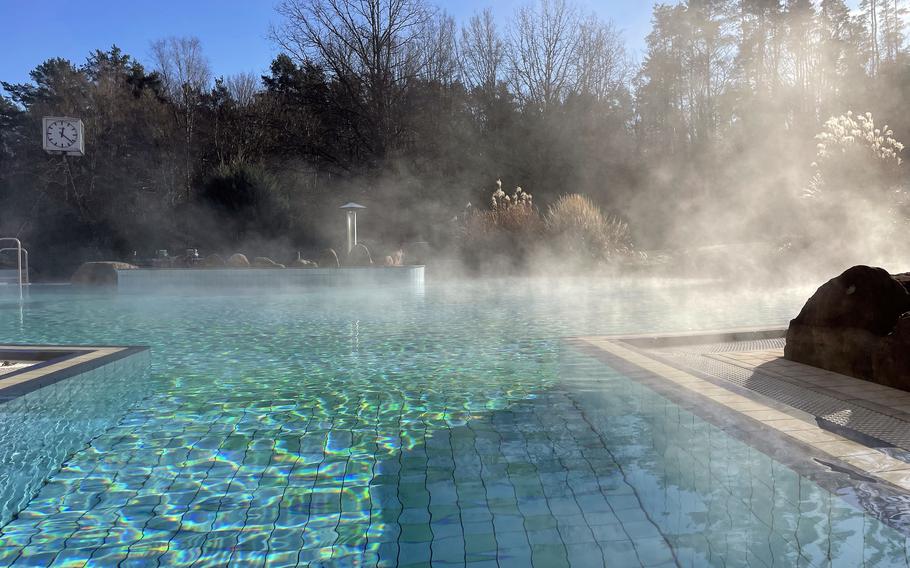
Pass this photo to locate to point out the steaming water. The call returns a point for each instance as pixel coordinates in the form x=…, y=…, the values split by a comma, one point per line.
x=452, y=426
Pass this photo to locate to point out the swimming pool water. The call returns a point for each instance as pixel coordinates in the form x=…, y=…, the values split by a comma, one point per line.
x=452, y=426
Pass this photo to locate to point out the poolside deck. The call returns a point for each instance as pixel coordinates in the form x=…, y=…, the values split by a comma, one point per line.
x=860, y=427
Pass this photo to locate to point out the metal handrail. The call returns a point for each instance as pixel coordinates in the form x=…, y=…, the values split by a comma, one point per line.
x=18, y=259
x=26, y=280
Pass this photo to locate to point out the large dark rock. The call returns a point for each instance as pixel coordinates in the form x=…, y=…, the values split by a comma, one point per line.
x=99, y=273
x=853, y=325
x=891, y=361
x=904, y=279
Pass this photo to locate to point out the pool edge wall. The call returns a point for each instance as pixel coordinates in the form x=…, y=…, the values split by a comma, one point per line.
x=41, y=428
x=155, y=278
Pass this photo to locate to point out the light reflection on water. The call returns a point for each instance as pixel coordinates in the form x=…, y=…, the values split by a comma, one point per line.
x=309, y=426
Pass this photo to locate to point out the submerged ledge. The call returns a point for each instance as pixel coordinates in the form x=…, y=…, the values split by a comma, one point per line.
x=44, y=365
x=56, y=405
x=860, y=427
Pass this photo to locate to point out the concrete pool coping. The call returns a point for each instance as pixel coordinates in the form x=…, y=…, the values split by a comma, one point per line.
x=49, y=364
x=853, y=447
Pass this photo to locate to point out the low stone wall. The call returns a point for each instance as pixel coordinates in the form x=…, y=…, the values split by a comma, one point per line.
x=150, y=279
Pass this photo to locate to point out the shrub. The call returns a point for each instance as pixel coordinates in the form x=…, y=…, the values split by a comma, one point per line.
x=512, y=233
x=579, y=230
x=239, y=202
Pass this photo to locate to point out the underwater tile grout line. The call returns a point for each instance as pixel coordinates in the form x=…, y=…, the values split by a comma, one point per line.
x=34, y=495
x=724, y=429
x=76, y=487
x=417, y=434
x=622, y=471
x=74, y=396
x=808, y=462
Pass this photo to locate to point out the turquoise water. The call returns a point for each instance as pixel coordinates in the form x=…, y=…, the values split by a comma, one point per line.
x=452, y=426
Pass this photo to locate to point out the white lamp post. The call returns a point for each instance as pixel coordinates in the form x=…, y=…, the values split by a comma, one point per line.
x=351, y=209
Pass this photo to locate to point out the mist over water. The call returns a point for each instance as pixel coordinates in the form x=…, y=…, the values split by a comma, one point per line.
x=757, y=142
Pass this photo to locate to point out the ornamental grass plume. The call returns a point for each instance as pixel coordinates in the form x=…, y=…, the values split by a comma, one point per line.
x=507, y=231
x=853, y=154
x=512, y=213
x=856, y=205
x=578, y=228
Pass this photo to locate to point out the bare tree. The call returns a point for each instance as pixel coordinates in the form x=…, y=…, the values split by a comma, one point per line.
x=183, y=68
x=439, y=61
x=542, y=52
x=242, y=87
x=482, y=52
x=185, y=74
x=602, y=66
x=371, y=48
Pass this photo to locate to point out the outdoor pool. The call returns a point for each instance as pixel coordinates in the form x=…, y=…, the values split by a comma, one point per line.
x=452, y=426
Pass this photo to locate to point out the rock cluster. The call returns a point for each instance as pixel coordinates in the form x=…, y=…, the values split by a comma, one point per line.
x=99, y=273
x=213, y=261
x=266, y=262
x=857, y=324
x=238, y=260
x=105, y=273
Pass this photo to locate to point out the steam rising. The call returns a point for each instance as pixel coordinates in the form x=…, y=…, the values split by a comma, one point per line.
x=738, y=147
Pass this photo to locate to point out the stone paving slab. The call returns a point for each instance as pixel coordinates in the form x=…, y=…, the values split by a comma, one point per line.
x=811, y=397
x=7, y=367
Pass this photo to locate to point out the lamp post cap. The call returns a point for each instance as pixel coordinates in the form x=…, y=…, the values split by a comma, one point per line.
x=352, y=205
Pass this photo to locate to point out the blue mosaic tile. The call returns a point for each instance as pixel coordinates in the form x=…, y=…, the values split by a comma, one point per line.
x=527, y=453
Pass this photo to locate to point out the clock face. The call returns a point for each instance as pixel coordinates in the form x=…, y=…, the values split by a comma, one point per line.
x=62, y=134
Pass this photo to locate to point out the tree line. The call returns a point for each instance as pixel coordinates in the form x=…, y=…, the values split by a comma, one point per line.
x=395, y=104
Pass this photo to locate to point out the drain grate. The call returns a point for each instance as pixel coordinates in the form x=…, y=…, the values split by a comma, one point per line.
x=730, y=346
x=830, y=408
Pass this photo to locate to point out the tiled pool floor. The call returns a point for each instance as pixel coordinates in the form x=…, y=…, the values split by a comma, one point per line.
x=599, y=469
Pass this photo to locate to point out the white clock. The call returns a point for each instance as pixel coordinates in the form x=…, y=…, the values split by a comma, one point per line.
x=63, y=135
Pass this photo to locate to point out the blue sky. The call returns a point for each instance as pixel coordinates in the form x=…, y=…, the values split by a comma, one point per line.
x=233, y=32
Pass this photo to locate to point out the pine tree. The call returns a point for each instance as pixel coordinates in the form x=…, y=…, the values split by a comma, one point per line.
x=870, y=19
x=891, y=17
x=838, y=53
